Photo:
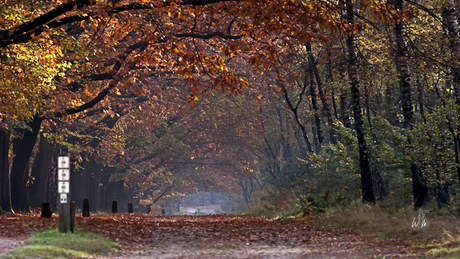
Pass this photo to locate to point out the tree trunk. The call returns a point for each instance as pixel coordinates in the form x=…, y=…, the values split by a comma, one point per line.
x=108, y=171
x=5, y=201
x=314, y=99
x=390, y=107
x=442, y=187
x=19, y=172
x=326, y=108
x=402, y=63
x=344, y=118
x=51, y=194
x=80, y=181
x=40, y=172
x=368, y=105
x=330, y=79
x=380, y=185
x=283, y=156
x=97, y=186
x=449, y=16
x=294, y=109
x=353, y=73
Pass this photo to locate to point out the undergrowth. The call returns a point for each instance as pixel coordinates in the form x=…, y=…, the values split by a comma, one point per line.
x=440, y=234
x=278, y=203
x=387, y=220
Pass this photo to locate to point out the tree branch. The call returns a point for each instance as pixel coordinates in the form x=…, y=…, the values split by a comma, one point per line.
x=45, y=18
x=27, y=31
x=209, y=35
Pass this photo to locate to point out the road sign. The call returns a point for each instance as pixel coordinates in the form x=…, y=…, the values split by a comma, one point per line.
x=63, y=197
x=64, y=162
x=63, y=187
x=63, y=175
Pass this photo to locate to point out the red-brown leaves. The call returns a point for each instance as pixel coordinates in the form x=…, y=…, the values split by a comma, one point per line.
x=20, y=225
x=140, y=232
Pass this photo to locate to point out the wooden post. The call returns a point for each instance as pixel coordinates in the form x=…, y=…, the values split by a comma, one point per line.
x=64, y=217
x=114, y=206
x=85, y=211
x=149, y=210
x=64, y=193
x=130, y=207
x=46, y=210
x=73, y=209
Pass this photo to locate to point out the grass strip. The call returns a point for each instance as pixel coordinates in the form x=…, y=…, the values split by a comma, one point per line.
x=52, y=244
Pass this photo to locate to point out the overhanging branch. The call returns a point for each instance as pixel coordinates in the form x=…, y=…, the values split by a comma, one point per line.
x=27, y=31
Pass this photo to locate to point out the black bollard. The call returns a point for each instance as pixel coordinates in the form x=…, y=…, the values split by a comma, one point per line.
x=85, y=211
x=149, y=210
x=130, y=207
x=163, y=211
x=114, y=206
x=46, y=210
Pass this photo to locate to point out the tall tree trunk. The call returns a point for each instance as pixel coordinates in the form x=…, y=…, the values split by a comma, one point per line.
x=294, y=109
x=314, y=104
x=390, y=107
x=327, y=110
x=353, y=73
x=105, y=188
x=19, y=169
x=283, y=142
x=380, y=185
x=450, y=17
x=402, y=63
x=442, y=187
x=344, y=117
x=52, y=193
x=368, y=105
x=98, y=170
x=330, y=80
x=5, y=201
x=40, y=171
x=80, y=181
x=314, y=131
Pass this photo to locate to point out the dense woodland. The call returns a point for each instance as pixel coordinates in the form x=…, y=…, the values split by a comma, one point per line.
x=310, y=102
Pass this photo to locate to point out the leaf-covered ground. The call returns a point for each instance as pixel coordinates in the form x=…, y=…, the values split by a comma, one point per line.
x=217, y=236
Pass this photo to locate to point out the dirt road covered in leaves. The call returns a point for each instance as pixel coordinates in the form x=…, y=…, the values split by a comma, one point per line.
x=218, y=236
x=229, y=236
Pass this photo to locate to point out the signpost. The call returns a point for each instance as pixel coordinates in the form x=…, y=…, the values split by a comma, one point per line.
x=64, y=193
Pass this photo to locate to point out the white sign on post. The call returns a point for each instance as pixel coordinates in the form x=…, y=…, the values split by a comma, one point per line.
x=63, y=175
x=63, y=197
x=63, y=162
x=63, y=187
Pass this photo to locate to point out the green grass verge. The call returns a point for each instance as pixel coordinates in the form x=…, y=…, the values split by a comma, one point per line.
x=52, y=244
x=447, y=252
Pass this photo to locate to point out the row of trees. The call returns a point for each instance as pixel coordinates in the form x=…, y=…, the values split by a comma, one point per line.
x=394, y=68
x=161, y=98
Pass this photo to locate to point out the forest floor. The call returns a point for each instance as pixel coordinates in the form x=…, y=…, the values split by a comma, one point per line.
x=213, y=236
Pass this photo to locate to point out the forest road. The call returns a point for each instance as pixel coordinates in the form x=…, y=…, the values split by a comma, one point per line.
x=230, y=236
x=9, y=243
